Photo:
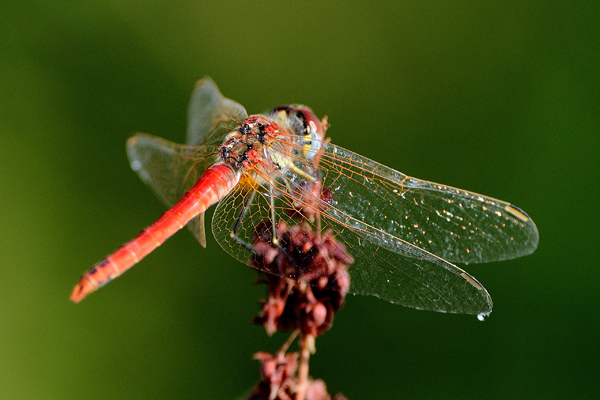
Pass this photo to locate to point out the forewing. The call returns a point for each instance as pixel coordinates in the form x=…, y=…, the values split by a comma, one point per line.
x=423, y=281
x=211, y=115
x=454, y=224
x=170, y=169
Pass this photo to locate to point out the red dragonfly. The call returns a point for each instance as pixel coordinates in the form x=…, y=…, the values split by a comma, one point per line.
x=404, y=233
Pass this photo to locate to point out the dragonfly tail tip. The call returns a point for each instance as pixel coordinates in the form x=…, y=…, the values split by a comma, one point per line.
x=82, y=289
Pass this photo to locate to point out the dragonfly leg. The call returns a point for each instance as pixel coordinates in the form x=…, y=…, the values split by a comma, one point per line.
x=238, y=223
x=275, y=235
x=240, y=218
x=275, y=238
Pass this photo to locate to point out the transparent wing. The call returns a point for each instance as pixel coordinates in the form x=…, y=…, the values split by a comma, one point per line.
x=423, y=281
x=170, y=169
x=210, y=115
x=255, y=207
x=454, y=224
x=399, y=229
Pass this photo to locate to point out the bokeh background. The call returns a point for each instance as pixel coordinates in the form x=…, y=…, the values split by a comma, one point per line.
x=502, y=99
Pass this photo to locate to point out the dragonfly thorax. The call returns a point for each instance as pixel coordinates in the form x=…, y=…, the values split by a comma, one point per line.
x=247, y=147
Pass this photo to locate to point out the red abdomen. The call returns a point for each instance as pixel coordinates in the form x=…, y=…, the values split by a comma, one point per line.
x=214, y=184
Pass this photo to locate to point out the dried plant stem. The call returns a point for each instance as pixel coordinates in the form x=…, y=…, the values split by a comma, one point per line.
x=306, y=343
x=305, y=305
x=289, y=342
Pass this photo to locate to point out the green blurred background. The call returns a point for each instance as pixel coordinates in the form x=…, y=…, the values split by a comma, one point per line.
x=501, y=99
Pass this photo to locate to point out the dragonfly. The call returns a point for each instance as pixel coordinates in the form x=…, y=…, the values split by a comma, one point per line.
x=404, y=234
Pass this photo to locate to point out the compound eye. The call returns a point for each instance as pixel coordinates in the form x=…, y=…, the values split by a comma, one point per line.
x=311, y=143
x=311, y=122
x=312, y=130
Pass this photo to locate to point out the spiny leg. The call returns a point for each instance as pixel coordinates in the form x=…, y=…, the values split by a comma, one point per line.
x=241, y=216
x=275, y=238
x=238, y=223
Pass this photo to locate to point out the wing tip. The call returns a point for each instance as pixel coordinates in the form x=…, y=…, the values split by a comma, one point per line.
x=205, y=81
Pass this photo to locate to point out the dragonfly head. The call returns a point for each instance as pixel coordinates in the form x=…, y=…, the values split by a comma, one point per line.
x=305, y=124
